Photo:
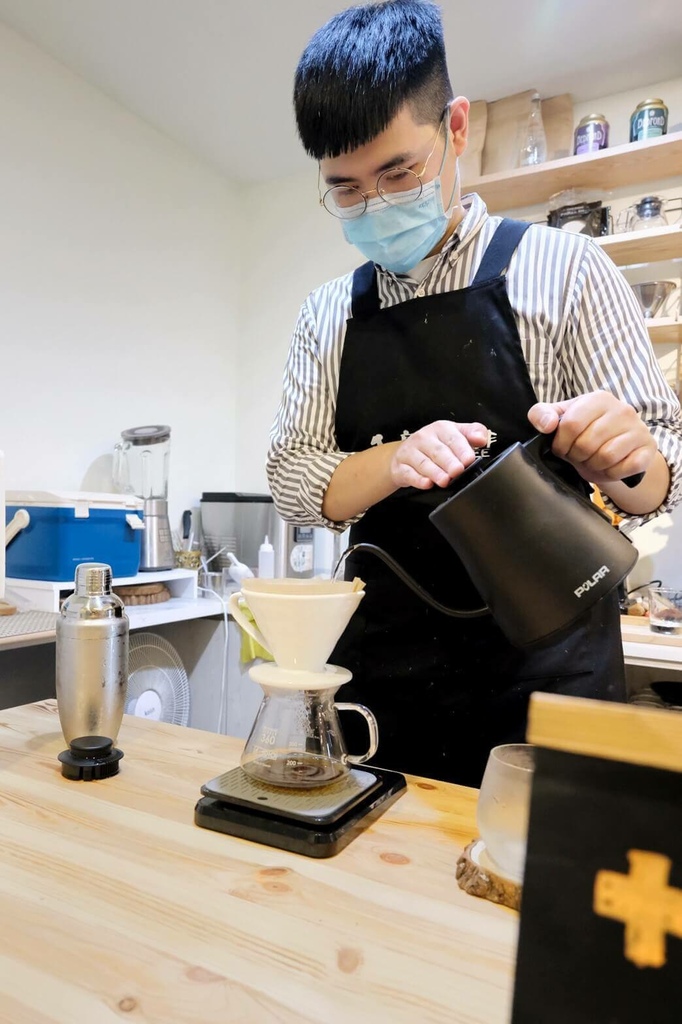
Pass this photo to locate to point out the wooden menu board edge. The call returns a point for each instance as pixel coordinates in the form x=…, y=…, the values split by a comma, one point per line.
x=617, y=732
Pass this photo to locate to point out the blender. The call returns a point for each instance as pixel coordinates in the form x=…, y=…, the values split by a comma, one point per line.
x=297, y=787
x=141, y=462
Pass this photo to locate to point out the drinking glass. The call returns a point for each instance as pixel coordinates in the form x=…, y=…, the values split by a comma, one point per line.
x=665, y=610
x=504, y=806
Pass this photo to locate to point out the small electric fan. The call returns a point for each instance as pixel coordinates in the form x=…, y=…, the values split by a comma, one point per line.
x=158, y=686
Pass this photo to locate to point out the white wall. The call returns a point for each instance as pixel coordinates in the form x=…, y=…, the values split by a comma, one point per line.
x=291, y=246
x=119, y=287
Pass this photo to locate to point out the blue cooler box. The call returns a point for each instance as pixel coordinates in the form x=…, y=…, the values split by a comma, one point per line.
x=70, y=527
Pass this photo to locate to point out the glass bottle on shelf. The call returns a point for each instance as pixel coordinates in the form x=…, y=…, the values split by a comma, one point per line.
x=534, y=145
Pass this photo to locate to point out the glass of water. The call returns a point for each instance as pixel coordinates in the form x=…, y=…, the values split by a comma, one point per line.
x=665, y=610
x=504, y=807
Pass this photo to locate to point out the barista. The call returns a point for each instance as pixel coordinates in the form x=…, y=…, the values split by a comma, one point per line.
x=461, y=334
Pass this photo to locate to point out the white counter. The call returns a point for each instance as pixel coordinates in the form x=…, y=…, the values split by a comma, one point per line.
x=38, y=604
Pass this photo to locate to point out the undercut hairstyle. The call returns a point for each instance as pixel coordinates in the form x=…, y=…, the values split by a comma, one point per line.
x=362, y=67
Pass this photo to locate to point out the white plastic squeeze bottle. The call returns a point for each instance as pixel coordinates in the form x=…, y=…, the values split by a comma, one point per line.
x=266, y=560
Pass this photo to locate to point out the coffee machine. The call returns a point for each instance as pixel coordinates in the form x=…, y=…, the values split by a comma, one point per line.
x=141, y=461
x=238, y=522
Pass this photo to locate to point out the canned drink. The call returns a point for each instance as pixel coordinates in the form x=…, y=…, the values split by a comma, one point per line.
x=591, y=135
x=649, y=120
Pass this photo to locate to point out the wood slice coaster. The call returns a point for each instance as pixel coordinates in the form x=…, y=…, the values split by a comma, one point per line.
x=475, y=876
x=157, y=597
x=140, y=589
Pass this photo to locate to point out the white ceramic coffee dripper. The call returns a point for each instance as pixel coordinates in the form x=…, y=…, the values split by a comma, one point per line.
x=296, y=739
x=299, y=621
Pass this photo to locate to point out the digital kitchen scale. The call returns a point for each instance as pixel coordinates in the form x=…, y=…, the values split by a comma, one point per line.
x=316, y=822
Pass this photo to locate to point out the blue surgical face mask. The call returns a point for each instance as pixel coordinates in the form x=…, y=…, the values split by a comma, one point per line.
x=399, y=236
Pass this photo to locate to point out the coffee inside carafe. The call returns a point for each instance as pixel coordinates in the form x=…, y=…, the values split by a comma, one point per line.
x=296, y=740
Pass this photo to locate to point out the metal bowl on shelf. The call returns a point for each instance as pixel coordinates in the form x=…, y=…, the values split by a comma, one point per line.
x=652, y=295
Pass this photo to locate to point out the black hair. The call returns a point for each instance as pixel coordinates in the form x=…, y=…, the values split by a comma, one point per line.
x=359, y=70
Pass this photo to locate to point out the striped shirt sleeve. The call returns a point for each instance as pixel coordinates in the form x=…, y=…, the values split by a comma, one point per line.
x=303, y=453
x=606, y=346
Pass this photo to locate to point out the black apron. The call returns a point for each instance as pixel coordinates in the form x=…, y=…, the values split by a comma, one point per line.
x=446, y=690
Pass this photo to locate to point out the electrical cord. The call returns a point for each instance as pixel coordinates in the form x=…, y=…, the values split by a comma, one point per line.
x=643, y=586
x=373, y=549
x=222, y=714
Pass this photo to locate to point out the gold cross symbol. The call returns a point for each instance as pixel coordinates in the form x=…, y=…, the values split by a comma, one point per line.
x=649, y=908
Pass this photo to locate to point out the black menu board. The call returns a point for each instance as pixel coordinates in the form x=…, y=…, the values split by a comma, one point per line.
x=600, y=938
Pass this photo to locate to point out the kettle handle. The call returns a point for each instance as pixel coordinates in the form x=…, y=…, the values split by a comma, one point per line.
x=541, y=445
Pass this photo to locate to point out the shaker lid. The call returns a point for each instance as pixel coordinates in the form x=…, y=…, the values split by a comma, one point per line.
x=146, y=435
x=89, y=758
x=93, y=579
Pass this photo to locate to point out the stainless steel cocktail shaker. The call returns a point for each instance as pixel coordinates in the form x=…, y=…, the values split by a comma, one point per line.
x=92, y=657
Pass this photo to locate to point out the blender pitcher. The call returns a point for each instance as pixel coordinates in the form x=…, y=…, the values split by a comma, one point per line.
x=141, y=461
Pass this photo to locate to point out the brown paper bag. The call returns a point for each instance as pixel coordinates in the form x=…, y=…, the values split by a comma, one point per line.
x=557, y=117
x=507, y=122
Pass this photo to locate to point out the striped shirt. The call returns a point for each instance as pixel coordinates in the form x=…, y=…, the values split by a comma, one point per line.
x=580, y=326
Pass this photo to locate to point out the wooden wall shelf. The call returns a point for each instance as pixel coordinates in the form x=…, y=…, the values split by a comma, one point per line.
x=665, y=329
x=651, y=246
x=630, y=165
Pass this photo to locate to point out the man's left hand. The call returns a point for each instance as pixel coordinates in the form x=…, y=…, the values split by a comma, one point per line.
x=602, y=437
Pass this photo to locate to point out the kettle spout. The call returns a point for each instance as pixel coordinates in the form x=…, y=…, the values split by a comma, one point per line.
x=409, y=581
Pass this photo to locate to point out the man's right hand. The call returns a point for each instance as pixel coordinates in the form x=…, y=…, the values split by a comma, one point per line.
x=437, y=454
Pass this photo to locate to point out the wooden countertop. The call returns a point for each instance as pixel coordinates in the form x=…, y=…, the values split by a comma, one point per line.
x=116, y=907
x=635, y=629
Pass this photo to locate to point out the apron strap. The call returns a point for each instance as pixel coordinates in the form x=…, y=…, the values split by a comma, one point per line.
x=500, y=250
x=496, y=258
x=365, y=292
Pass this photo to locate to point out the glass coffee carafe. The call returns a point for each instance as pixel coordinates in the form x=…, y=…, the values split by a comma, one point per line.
x=649, y=212
x=141, y=461
x=296, y=739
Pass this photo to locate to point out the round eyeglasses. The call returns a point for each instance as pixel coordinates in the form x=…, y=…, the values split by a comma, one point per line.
x=396, y=186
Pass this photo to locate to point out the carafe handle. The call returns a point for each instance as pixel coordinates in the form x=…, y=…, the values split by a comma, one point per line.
x=373, y=731
x=623, y=220
x=669, y=205
x=245, y=623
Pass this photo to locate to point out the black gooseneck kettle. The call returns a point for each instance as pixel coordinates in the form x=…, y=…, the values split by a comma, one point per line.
x=539, y=553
